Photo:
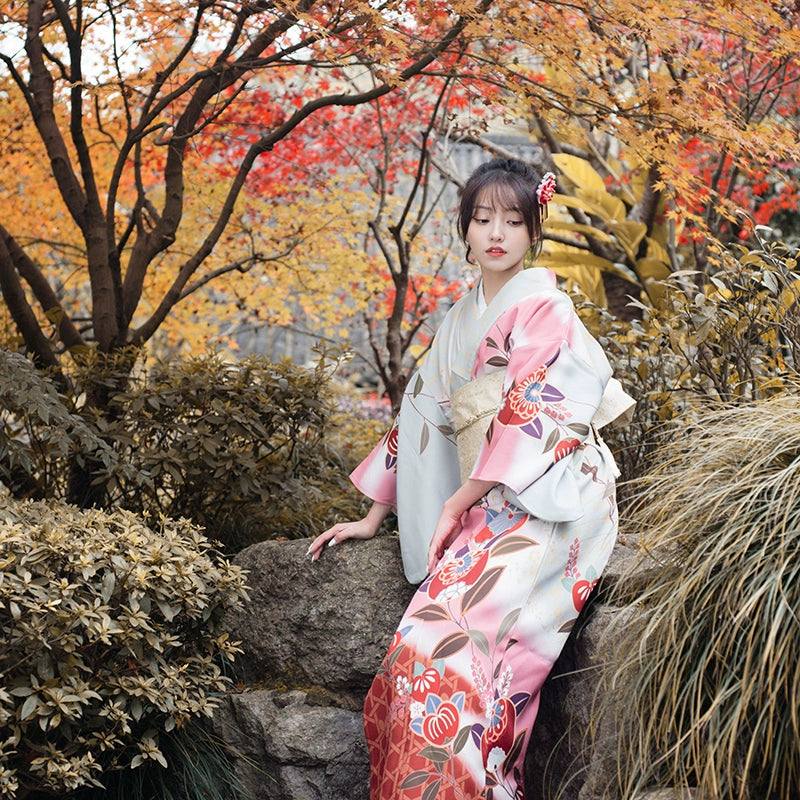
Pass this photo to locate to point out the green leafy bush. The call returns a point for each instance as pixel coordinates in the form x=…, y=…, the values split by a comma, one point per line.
x=238, y=447
x=730, y=337
x=357, y=422
x=109, y=640
x=706, y=684
x=200, y=767
x=247, y=449
x=40, y=434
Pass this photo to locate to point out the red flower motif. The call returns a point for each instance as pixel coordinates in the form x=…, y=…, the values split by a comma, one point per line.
x=391, y=448
x=526, y=397
x=466, y=569
x=500, y=731
x=565, y=447
x=426, y=682
x=580, y=592
x=507, y=416
x=546, y=188
x=441, y=725
x=391, y=441
x=484, y=534
x=395, y=641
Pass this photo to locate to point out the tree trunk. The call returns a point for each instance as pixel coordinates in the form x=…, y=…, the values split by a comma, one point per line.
x=618, y=294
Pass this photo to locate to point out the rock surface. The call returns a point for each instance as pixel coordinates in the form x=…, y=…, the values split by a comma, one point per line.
x=289, y=749
x=313, y=636
x=322, y=627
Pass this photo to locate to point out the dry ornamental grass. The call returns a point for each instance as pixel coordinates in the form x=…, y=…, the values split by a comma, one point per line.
x=707, y=684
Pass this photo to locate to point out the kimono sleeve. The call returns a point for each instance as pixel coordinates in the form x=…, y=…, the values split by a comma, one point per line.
x=554, y=383
x=376, y=475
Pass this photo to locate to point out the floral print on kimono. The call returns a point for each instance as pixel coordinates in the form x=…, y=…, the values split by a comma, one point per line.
x=450, y=712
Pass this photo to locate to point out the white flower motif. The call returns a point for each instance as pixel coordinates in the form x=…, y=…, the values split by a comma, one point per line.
x=402, y=684
x=484, y=688
x=505, y=682
x=451, y=592
x=495, y=758
x=416, y=709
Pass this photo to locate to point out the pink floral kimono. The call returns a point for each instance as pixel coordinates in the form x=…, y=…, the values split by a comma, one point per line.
x=450, y=712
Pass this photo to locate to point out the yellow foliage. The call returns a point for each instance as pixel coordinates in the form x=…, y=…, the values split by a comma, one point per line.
x=579, y=171
x=628, y=71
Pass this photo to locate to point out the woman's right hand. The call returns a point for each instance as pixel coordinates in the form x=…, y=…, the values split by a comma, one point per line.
x=364, y=528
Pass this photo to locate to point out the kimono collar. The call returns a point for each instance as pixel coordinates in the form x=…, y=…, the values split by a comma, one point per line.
x=480, y=318
x=520, y=285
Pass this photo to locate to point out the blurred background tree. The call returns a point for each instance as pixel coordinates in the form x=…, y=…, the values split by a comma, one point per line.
x=127, y=210
x=173, y=180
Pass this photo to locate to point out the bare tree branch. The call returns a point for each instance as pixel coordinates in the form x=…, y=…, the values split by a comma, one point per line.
x=146, y=248
x=42, y=290
x=38, y=344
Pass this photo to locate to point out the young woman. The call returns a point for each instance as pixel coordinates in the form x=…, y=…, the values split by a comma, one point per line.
x=506, y=510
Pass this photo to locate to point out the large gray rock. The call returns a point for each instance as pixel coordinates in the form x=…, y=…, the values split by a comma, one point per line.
x=314, y=634
x=288, y=750
x=325, y=626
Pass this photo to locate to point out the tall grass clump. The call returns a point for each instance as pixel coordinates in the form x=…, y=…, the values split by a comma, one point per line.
x=706, y=682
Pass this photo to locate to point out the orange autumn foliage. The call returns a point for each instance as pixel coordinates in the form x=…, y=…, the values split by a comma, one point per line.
x=168, y=170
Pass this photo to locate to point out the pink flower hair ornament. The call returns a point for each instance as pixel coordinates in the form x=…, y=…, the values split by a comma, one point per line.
x=545, y=192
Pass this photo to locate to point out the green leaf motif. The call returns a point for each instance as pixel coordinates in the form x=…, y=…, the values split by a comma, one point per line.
x=436, y=754
x=480, y=641
x=507, y=624
x=568, y=625
x=394, y=655
x=432, y=612
x=461, y=739
x=552, y=440
x=424, y=437
x=450, y=645
x=511, y=544
x=579, y=427
x=415, y=779
x=477, y=592
x=432, y=791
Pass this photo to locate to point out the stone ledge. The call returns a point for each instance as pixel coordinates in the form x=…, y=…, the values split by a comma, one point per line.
x=313, y=637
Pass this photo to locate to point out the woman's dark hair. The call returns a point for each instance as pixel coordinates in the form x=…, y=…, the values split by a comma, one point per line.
x=503, y=183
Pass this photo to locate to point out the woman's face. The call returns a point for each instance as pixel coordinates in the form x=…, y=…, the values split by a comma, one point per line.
x=498, y=239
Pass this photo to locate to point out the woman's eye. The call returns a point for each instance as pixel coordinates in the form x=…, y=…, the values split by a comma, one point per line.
x=515, y=222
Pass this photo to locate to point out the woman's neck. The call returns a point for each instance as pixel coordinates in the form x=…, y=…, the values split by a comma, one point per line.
x=492, y=283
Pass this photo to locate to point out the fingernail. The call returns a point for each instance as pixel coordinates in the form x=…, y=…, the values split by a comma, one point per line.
x=332, y=542
x=308, y=552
